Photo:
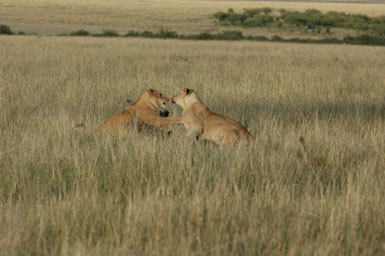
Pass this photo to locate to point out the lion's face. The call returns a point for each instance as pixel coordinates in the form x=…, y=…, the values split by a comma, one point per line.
x=158, y=98
x=184, y=97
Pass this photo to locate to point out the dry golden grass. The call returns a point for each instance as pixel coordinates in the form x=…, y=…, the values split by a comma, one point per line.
x=184, y=16
x=65, y=191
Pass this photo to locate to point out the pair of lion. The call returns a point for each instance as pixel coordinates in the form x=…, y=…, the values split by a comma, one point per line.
x=199, y=121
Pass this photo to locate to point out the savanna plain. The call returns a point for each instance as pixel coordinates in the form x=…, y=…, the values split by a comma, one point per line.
x=312, y=184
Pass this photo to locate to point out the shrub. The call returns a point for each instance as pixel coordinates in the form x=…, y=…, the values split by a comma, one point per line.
x=330, y=41
x=278, y=24
x=309, y=19
x=250, y=22
x=132, y=33
x=364, y=39
x=258, y=38
x=202, y=36
x=379, y=29
x=230, y=35
x=277, y=39
x=224, y=23
x=147, y=34
x=81, y=32
x=6, y=30
x=290, y=17
x=237, y=35
x=233, y=18
x=109, y=33
x=263, y=20
x=251, y=12
x=333, y=19
x=167, y=34
x=221, y=16
x=266, y=10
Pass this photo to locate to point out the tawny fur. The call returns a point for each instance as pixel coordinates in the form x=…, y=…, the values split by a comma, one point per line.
x=201, y=122
x=144, y=110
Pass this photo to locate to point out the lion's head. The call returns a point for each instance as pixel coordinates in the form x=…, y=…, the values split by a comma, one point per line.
x=157, y=98
x=185, y=97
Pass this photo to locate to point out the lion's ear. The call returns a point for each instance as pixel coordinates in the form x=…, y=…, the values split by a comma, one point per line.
x=151, y=90
x=188, y=91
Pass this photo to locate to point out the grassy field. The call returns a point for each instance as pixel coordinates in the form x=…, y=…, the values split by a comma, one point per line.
x=67, y=191
x=46, y=17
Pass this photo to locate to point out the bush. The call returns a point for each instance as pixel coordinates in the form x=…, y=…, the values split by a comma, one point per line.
x=364, y=39
x=278, y=24
x=330, y=41
x=277, y=39
x=230, y=35
x=266, y=10
x=221, y=16
x=167, y=34
x=233, y=18
x=334, y=19
x=263, y=20
x=237, y=35
x=81, y=32
x=202, y=36
x=309, y=19
x=250, y=22
x=251, y=12
x=6, y=30
x=132, y=33
x=108, y=33
x=380, y=29
x=147, y=34
x=257, y=38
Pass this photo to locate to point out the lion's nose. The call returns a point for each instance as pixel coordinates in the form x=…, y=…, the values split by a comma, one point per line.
x=164, y=113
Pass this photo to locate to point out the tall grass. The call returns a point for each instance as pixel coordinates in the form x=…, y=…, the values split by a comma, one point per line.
x=67, y=191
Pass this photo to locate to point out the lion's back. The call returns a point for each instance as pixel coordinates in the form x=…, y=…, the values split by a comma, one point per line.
x=117, y=121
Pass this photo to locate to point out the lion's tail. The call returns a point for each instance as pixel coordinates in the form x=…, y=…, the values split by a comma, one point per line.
x=243, y=135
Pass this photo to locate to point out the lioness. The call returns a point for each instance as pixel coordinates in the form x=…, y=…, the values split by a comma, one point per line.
x=143, y=111
x=201, y=122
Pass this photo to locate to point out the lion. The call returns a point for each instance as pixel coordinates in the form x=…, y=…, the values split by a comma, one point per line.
x=142, y=113
x=201, y=122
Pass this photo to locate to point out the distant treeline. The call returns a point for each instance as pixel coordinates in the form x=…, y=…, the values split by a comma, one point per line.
x=310, y=19
x=225, y=35
x=236, y=35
